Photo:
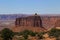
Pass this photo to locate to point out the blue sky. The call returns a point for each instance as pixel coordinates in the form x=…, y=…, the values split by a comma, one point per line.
x=30, y=6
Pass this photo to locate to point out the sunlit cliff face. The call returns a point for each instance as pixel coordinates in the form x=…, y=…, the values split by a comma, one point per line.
x=34, y=21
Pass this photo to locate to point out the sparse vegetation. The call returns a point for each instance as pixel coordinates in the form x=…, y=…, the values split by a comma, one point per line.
x=25, y=33
x=54, y=33
x=40, y=35
x=8, y=34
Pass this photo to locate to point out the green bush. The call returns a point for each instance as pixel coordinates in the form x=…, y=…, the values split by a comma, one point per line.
x=54, y=32
x=40, y=35
x=25, y=33
x=7, y=34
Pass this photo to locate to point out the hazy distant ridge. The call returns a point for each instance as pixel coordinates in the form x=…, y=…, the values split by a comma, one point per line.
x=14, y=16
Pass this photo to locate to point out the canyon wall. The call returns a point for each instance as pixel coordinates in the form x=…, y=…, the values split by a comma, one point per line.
x=36, y=21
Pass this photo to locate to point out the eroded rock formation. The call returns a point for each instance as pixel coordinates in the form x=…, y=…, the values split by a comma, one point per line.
x=37, y=22
x=34, y=21
x=30, y=22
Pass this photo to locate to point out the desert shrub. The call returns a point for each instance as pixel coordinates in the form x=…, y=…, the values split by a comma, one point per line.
x=7, y=34
x=25, y=33
x=54, y=32
x=40, y=35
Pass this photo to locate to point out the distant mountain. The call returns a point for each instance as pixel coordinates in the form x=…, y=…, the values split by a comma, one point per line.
x=14, y=16
x=11, y=16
